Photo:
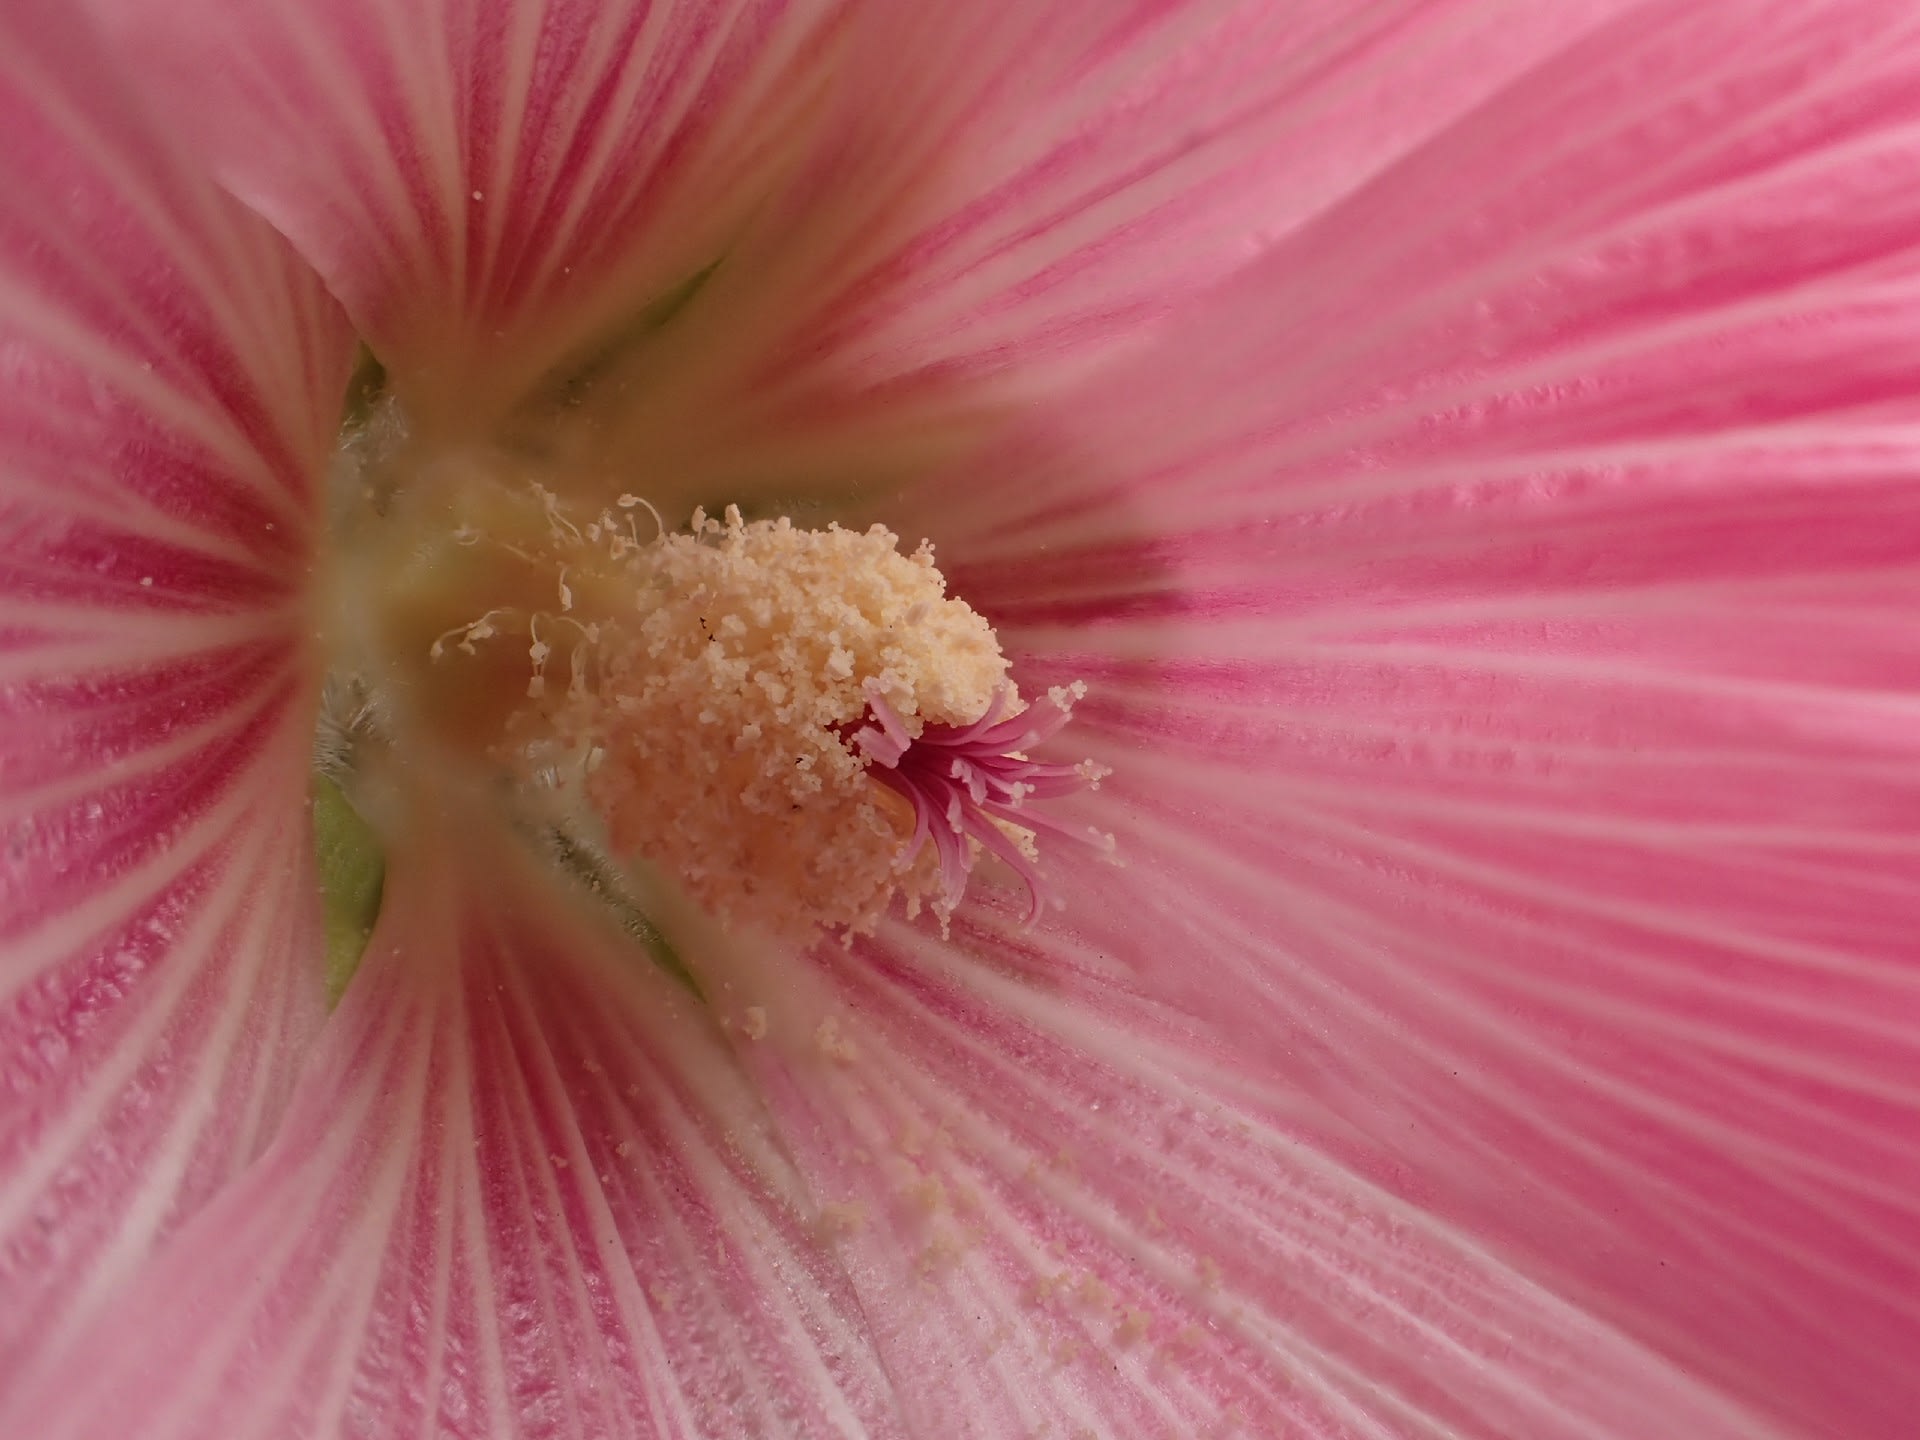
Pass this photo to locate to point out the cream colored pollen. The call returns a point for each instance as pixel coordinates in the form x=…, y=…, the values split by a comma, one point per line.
x=718, y=697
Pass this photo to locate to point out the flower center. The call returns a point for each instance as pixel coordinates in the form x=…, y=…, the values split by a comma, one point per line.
x=798, y=726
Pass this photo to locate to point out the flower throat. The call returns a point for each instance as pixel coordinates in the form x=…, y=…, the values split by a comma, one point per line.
x=799, y=726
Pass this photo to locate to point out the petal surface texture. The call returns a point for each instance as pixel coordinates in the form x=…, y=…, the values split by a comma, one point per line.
x=879, y=196
x=1063, y=1204
x=1518, y=618
x=1476, y=478
x=524, y=1192
x=159, y=440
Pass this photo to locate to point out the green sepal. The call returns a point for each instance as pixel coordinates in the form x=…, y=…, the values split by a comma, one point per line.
x=352, y=874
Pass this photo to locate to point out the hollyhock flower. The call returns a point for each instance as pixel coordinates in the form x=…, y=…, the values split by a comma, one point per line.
x=1467, y=452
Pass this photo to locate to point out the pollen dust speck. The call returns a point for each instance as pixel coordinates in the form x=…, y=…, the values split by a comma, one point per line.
x=799, y=725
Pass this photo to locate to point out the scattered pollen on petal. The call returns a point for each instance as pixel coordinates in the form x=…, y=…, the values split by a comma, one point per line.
x=841, y=1219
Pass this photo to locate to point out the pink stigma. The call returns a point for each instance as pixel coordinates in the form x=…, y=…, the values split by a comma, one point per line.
x=961, y=779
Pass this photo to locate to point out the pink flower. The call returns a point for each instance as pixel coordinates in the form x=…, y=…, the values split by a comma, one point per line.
x=1468, y=451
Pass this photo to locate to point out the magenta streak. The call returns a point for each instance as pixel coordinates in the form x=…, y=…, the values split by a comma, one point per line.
x=960, y=779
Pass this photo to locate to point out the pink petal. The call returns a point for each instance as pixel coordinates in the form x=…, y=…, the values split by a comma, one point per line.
x=900, y=195
x=1071, y=1213
x=1068, y=173
x=521, y=1193
x=456, y=168
x=170, y=373
x=1506, y=653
